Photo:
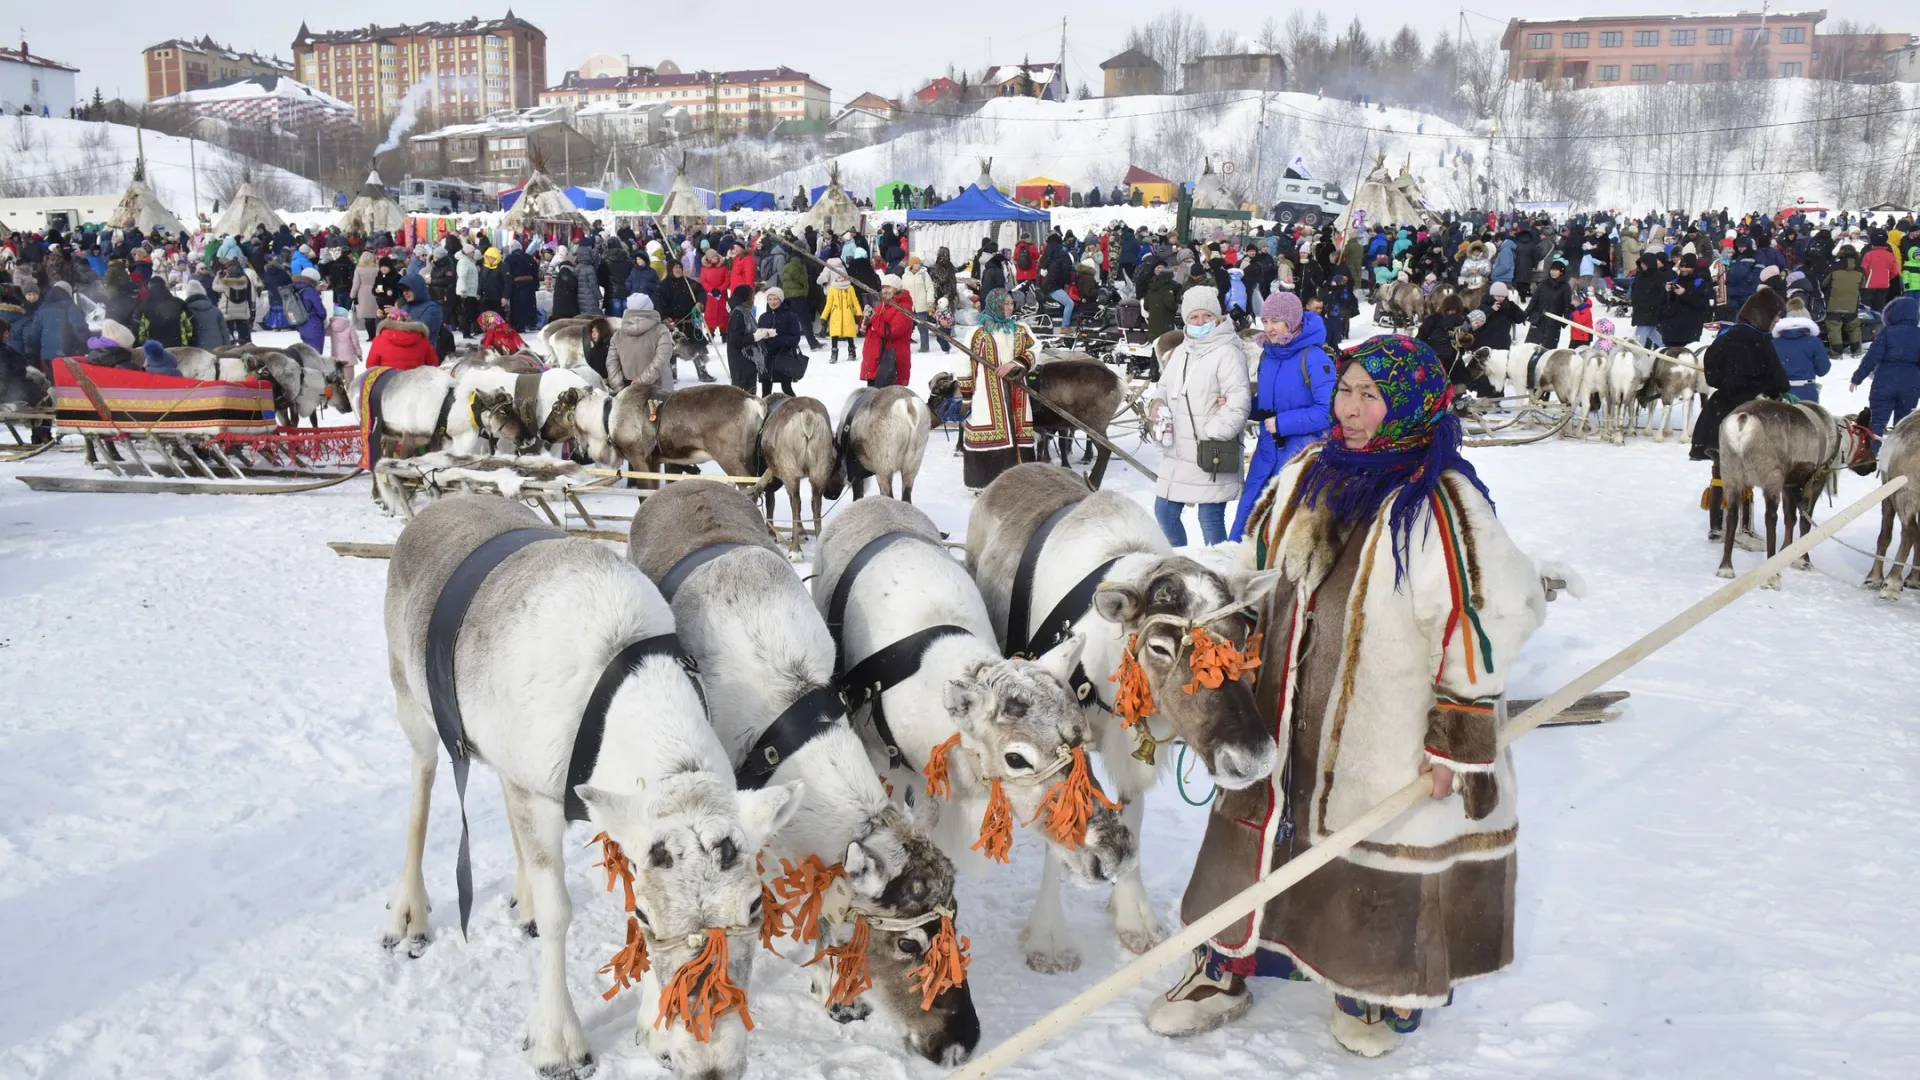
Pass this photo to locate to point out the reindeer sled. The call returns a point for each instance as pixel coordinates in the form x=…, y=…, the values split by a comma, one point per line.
x=175, y=435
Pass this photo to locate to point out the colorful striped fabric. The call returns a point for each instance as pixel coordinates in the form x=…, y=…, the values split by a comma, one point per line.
x=136, y=401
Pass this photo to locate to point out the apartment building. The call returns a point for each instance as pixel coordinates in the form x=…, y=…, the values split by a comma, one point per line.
x=501, y=148
x=1612, y=50
x=262, y=101
x=1234, y=71
x=753, y=99
x=176, y=66
x=469, y=68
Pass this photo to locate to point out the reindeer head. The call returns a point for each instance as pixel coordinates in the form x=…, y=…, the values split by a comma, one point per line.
x=559, y=425
x=897, y=874
x=1158, y=610
x=495, y=417
x=690, y=840
x=334, y=392
x=1019, y=723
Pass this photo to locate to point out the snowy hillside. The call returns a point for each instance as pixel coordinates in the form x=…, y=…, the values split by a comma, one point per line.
x=78, y=157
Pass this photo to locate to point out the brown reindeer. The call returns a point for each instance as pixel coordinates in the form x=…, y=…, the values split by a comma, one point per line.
x=689, y=427
x=883, y=433
x=796, y=443
x=1789, y=452
x=1091, y=392
x=1899, y=456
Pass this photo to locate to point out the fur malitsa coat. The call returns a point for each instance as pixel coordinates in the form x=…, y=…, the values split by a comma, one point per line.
x=1374, y=685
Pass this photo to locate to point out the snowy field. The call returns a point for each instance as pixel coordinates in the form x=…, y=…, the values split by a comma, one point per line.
x=202, y=805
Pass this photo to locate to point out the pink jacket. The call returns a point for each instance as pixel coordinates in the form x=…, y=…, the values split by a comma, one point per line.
x=342, y=340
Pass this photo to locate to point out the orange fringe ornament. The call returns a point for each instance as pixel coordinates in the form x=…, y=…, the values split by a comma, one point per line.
x=996, y=828
x=939, y=784
x=618, y=867
x=802, y=889
x=1069, y=803
x=700, y=993
x=1133, y=699
x=849, y=964
x=775, y=918
x=945, y=966
x=1216, y=660
x=631, y=961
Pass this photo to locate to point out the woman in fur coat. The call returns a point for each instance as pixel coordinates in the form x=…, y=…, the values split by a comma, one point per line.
x=1400, y=608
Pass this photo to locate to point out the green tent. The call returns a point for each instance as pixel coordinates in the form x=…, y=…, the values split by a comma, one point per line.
x=633, y=200
x=894, y=195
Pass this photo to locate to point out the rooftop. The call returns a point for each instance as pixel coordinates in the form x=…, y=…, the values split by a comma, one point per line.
x=225, y=52
x=254, y=86
x=1131, y=58
x=745, y=76
x=23, y=55
x=504, y=122
x=1039, y=73
x=376, y=32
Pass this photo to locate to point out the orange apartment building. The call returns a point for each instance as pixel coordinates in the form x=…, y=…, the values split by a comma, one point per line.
x=1610, y=50
x=471, y=68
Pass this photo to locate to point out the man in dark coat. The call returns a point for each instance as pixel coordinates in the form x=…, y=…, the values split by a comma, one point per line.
x=162, y=317
x=523, y=278
x=445, y=273
x=56, y=327
x=1649, y=299
x=566, y=290
x=1553, y=296
x=616, y=266
x=1689, y=302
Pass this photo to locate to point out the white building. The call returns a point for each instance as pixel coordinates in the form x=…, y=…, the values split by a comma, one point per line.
x=35, y=84
x=263, y=100
x=1904, y=63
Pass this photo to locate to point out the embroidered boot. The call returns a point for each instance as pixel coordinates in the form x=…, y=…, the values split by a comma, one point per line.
x=1370, y=1030
x=1205, y=998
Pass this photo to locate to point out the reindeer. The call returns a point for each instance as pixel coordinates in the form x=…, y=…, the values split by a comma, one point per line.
x=1504, y=366
x=689, y=427
x=1013, y=722
x=764, y=651
x=486, y=413
x=1401, y=304
x=1899, y=456
x=297, y=391
x=796, y=444
x=1147, y=604
x=883, y=433
x=1675, y=377
x=1091, y=392
x=1785, y=450
x=565, y=340
x=1578, y=378
x=1627, y=372
x=535, y=642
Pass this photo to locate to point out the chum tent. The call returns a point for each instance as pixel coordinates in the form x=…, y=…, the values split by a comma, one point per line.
x=1383, y=199
x=246, y=212
x=1033, y=191
x=542, y=204
x=746, y=198
x=373, y=211
x=960, y=223
x=1150, y=186
x=894, y=195
x=683, y=206
x=633, y=200
x=140, y=208
x=834, y=210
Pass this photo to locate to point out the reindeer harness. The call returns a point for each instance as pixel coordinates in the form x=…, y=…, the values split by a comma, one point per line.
x=1025, y=639
x=443, y=631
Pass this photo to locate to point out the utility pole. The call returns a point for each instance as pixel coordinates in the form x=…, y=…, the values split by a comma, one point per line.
x=1060, y=67
x=193, y=169
x=713, y=129
x=1260, y=147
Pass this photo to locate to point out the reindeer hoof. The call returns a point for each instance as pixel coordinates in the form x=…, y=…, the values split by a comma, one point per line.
x=578, y=1071
x=529, y=929
x=1058, y=962
x=847, y=1014
x=1139, y=941
x=1724, y=572
x=1772, y=583
x=416, y=944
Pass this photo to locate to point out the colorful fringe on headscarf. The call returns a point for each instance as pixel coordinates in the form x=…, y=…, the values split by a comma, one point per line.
x=1419, y=440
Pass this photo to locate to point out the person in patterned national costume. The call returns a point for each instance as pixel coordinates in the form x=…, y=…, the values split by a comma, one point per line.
x=998, y=431
x=1400, y=607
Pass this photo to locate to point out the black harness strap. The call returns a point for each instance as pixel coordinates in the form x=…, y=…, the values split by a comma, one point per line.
x=1058, y=625
x=443, y=628
x=843, y=438
x=691, y=561
x=440, y=423
x=1020, y=601
x=842, y=589
x=810, y=714
x=593, y=724
x=886, y=669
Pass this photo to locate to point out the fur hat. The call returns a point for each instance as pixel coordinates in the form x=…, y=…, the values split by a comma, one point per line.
x=891, y=281
x=1499, y=289
x=1200, y=298
x=1284, y=306
x=117, y=334
x=1769, y=272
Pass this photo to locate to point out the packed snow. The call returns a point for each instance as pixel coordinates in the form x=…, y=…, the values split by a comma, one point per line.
x=81, y=157
x=203, y=795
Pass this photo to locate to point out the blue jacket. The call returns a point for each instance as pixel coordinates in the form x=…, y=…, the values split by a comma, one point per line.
x=1894, y=358
x=56, y=327
x=159, y=360
x=1802, y=353
x=1743, y=280
x=314, y=330
x=422, y=309
x=1503, y=262
x=1296, y=389
x=642, y=279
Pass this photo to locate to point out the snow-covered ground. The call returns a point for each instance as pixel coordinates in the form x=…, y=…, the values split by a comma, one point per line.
x=202, y=797
x=81, y=157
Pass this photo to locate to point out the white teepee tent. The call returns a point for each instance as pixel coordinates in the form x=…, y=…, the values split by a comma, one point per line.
x=140, y=208
x=373, y=210
x=1210, y=191
x=541, y=202
x=834, y=211
x=246, y=213
x=683, y=206
x=1381, y=200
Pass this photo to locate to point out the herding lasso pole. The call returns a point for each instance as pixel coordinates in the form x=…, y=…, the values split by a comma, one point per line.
x=1253, y=896
x=1624, y=343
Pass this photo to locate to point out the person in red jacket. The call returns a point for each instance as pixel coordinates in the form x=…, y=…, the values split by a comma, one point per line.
x=1026, y=261
x=713, y=279
x=742, y=270
x=889, y=327
x=1880, y=267
x=400, y=343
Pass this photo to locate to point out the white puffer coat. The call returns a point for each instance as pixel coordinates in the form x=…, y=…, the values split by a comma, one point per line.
x=1208, y=376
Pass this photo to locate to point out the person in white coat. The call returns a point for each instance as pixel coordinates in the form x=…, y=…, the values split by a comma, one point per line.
x=466, y=292
x=919, y=285
x=1203, y=392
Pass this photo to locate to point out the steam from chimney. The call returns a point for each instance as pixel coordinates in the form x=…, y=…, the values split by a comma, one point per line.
x=410, y=105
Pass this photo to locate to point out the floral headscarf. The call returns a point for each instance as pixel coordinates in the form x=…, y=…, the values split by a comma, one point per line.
x=1419, y=439
x=990, y=313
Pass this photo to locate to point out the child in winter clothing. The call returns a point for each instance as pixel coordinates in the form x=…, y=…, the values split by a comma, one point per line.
x=498, y=337
x=842, y=310
x=1796, y=338
x=343, y=342
x=1582, y=316
x=943, y=318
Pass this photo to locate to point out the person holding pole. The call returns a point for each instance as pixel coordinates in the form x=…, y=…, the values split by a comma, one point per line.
x=1400, y=607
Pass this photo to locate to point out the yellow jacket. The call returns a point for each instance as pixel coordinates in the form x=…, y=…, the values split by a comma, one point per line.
x=842, y=312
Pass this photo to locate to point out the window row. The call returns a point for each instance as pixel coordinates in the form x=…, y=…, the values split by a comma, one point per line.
x=1647, y=39
x=1684, y=72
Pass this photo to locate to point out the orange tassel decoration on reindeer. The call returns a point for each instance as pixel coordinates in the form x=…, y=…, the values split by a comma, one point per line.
x=945, y=966
x=996, y=828
x=849, y=965
x=939, y=784
x=802, y=889
x=1217, y=661
x=700, y=993
x=1069, y=804
x=1133, y=698
x=631, y=961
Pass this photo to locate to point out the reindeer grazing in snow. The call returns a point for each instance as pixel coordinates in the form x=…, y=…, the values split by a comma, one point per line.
x=1899, y=456
x=797, y=443
x=768, y=665
x=1148, y=603
x=1785, y=450
x=551, y=625
x=1007, y=733
x=883, y=434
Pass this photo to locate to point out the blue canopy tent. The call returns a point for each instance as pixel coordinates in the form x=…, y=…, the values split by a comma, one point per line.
x=813, y=194
x=974, y=204
x=960, y=223
x=744, y=198
x=582, y=198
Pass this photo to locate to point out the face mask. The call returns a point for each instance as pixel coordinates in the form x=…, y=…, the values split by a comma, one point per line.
x=1197, y=332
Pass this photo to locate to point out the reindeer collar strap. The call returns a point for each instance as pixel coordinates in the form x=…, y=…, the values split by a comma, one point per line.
x=593, y=723
x=443, y=629
x=813, y=713
x=440, y=422
x=691, y=561
x=885, y=669
x=1032, y=642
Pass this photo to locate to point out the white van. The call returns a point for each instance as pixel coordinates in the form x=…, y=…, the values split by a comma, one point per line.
x=1310, y=202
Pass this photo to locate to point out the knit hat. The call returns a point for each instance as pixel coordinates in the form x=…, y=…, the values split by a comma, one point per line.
x=774, y=292
x=891, y=281
x=1476, y=318
x=1284, y=306
x=1769, y=272
x=1200, y=298
x=117, y=334
x=310, y=274
x=1499, y=288
x=639, y=302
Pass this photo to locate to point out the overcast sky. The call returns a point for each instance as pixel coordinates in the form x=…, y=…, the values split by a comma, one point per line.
x=831, y=42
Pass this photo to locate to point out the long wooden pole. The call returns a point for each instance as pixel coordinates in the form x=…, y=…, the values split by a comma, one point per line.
x=1251, y=898
x=1624, y=343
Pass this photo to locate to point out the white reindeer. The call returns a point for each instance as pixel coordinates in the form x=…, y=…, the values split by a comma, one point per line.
x=1015, y=721
x=1627, y=372
x=411, y=404
x=1675, y=378
x=536, y=641
x=887, y=438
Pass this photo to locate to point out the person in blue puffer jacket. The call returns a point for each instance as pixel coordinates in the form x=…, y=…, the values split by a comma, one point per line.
x=1293, y=404
x=1743, y=275
x=1796, y=338
x=1893, y=362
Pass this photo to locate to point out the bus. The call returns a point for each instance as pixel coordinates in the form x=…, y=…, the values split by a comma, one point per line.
x=443, y=197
